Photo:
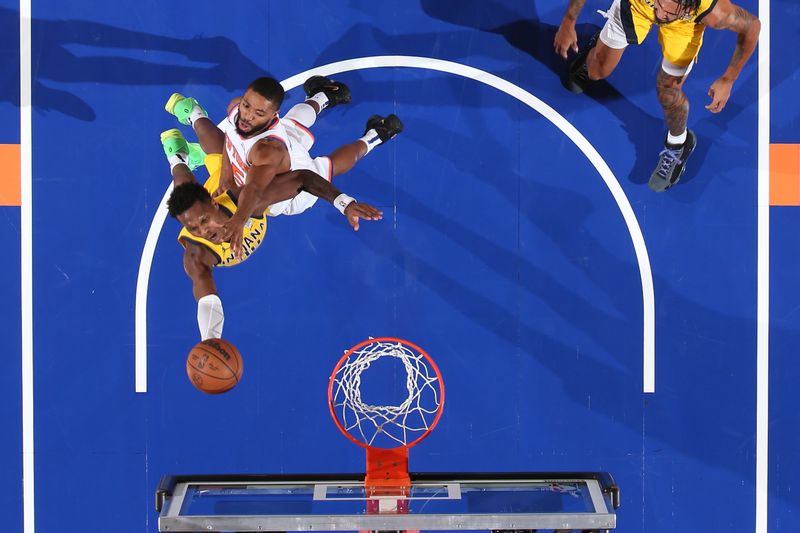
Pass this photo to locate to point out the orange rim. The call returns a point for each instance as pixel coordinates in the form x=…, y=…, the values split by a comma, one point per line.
x=357, y=347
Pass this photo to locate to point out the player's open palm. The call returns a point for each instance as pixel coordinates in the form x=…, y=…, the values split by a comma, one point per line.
x=358, y=210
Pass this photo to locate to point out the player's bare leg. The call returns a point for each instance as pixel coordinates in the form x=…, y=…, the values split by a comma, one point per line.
x=321, y=93
x=378, y=130
x=680, y=141
x=595, y=61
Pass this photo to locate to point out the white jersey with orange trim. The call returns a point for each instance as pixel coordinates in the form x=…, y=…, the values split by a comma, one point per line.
x=298, y=141
x=296, y=137
x=238, y=147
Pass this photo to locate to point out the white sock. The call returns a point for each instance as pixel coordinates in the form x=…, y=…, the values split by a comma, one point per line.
x=177, y=159
x=371, y=139
x=676, y=139
x=197, y=112
x=320, y=99
x=303, y=113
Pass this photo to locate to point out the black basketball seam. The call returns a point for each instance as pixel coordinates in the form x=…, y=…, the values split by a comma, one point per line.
x=207, y=374
x=215, y=391
x=224, y=363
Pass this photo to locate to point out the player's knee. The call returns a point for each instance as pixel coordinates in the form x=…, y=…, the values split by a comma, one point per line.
x=600, y=67
x=671, y=97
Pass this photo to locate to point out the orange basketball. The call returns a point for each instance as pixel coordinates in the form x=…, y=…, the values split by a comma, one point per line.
x=214, y=366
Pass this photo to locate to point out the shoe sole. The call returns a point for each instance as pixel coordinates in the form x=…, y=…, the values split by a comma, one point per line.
x=389, y=122
x=173, y=100
x=320, y=82
x=394, y=122
x=171, y=134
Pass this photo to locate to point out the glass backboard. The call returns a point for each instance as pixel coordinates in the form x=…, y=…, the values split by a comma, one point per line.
x=441, y=502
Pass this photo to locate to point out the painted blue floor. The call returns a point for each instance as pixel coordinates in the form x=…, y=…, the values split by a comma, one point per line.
x=501, y=252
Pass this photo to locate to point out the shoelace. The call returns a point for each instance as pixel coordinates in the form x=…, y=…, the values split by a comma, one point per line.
x=669, y=158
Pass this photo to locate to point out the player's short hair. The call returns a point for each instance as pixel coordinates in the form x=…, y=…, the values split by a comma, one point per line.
x=185, y=196
x=689, y=6
x=269, y=88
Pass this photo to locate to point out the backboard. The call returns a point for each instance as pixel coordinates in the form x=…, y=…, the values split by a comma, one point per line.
x=435, y=501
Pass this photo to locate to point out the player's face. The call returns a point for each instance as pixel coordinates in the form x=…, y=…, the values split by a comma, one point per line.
x=667, y=11
x=255, y=113
x=204, y=220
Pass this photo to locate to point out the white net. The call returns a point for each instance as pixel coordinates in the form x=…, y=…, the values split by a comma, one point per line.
x=397, y=424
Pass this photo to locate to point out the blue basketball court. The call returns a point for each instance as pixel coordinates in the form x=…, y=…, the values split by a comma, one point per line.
x=581, y=322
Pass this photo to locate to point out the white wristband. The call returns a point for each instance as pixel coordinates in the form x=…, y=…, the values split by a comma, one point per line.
x=342, y=201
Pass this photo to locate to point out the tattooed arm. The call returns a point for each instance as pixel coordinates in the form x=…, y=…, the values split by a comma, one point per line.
x=566, y=37
x=727, y=16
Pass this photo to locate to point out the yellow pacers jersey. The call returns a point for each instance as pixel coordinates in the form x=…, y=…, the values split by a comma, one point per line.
x=254, y=229
x=680, y=39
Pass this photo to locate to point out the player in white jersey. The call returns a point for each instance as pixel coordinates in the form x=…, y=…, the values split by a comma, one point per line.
x=258, y=144
x=265, y=157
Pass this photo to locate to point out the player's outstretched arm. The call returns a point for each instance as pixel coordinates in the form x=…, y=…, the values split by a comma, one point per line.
x=728, y=16
x=315, y=184
x=265, y=157
x=198, y=262
x=566, y=38
x=226, y=181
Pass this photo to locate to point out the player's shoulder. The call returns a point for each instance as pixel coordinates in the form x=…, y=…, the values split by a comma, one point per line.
x=714, y=13
x=266, y=148
x=198, y=256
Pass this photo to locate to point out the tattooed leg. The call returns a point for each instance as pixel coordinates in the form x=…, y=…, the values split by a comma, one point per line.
x=673, y=101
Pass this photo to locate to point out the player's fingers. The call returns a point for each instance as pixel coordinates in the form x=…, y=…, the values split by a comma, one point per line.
x=575, y=47
x=367, y=211
x=371, y=213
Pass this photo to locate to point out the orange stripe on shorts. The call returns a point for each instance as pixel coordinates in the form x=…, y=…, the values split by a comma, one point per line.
x=784, y=174
x=9, y=174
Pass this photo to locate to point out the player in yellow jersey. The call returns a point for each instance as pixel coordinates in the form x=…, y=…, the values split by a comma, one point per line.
x=680, y=31
x=204, y=219
x=259, y=166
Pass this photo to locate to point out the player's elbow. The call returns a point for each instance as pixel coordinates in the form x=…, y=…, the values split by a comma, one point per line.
x=307, y=179
x=755, y=29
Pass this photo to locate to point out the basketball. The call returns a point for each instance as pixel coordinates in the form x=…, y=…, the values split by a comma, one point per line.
x=214, y=366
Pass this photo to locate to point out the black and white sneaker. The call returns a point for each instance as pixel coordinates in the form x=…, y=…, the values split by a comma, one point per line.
x=577, y=77
x=336, y=91
x=386, y=127
x=672, y=163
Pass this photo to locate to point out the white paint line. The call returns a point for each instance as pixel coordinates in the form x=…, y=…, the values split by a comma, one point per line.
x=142, y=284
x=762, y=313
x=26, y=263
x=648, y=298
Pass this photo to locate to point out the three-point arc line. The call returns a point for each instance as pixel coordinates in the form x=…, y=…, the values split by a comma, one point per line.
x=645, y=273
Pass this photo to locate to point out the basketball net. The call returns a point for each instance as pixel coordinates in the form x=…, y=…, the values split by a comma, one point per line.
x=386, y=430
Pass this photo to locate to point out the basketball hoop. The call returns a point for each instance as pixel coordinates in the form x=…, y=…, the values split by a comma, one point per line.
x=384, y=414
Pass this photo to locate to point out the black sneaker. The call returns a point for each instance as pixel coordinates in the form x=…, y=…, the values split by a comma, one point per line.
x=577, y=77
x=672, y=163
x=336, y=91
x=386, y=127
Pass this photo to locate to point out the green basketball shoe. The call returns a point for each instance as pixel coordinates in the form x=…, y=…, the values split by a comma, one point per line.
x=181, y=106
x=174, y=144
